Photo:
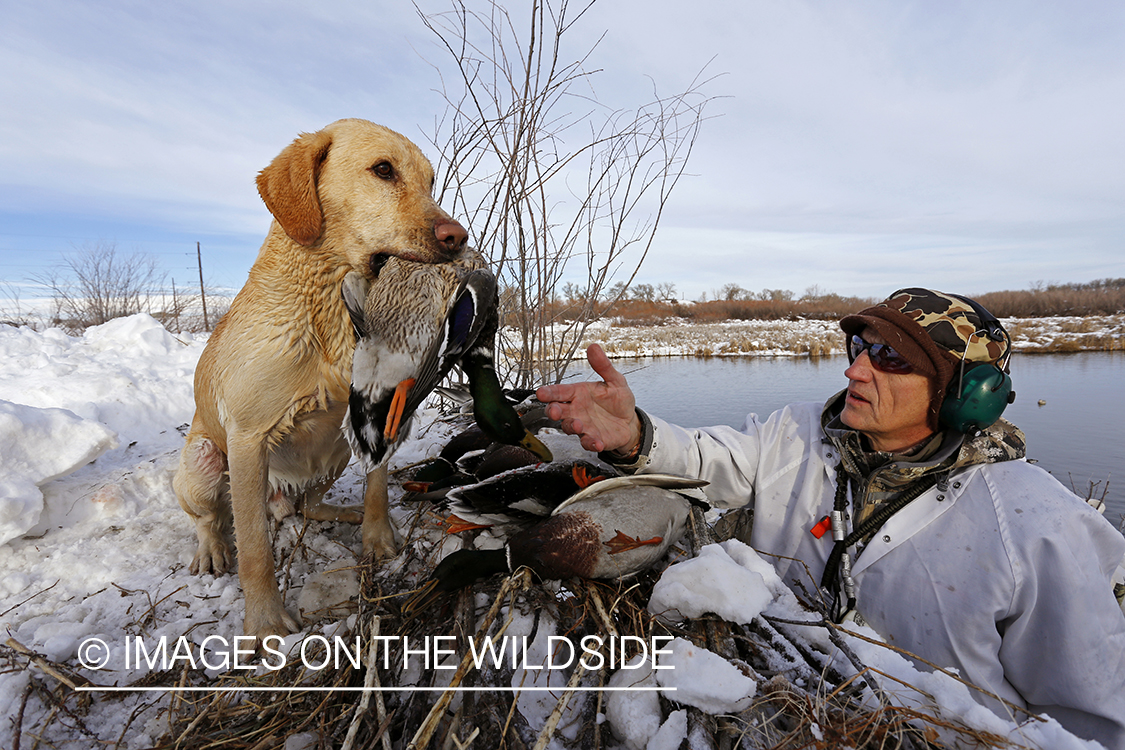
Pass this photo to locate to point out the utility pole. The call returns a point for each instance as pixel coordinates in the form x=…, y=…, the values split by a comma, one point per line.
x=202, y=293
x=175, y=306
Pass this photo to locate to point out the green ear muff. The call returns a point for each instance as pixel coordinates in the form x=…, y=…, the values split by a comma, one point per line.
x=985, y=391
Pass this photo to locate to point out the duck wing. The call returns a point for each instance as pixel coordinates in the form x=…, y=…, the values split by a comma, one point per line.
x=471, y=307
x=525, y=493
x=614, y=484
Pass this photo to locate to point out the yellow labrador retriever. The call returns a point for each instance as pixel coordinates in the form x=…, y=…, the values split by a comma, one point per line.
x=271, y=388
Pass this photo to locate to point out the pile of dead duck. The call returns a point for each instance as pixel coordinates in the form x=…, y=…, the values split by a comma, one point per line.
x=573, y=517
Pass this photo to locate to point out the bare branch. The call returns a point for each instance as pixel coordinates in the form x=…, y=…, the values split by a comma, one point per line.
x=548, y=178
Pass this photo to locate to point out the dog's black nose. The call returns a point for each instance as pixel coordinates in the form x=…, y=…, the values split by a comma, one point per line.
x=452, y=235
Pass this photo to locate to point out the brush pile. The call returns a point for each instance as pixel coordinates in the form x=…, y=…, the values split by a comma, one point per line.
x=514, y=663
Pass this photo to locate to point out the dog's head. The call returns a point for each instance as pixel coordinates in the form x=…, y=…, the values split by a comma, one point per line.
x=361, y=190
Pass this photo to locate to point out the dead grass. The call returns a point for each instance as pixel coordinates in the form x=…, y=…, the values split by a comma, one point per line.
x=1068, y=334
x=808, y=338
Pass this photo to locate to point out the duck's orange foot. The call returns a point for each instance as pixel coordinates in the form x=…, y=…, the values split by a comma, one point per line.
x=623, y=543
x=456, y=524
x=398, y=406
x=416, y=486
x=582, y=479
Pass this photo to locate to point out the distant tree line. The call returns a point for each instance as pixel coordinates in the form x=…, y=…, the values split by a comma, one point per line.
x=1102, y=297
x=648, y=304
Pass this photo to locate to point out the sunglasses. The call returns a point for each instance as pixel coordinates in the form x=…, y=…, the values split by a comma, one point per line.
x=882, y=356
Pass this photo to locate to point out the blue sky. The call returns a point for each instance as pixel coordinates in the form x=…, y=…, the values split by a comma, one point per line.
x=858, y=147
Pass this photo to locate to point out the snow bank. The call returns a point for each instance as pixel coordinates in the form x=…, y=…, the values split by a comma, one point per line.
x=40, y=445
x=66, y=401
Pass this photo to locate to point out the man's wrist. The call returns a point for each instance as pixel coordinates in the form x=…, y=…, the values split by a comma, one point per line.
x=634, y=455
x=627, y=455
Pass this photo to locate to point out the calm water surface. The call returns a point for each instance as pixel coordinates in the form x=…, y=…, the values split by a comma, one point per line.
x=1078, y=434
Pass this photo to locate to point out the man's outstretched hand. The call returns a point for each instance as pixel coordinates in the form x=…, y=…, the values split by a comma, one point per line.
x=602, y=414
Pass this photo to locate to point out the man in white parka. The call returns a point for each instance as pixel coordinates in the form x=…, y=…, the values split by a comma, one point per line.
x=939, y=536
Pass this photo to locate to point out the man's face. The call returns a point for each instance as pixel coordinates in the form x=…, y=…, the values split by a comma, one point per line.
x=891, y=409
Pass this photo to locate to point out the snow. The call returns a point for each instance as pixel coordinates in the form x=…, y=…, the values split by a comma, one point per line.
x=92, y=538
x=714, y=582
x=705, y=680
x=40, y=445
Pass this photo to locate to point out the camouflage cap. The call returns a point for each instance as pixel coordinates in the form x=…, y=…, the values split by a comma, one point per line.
x=933, y=331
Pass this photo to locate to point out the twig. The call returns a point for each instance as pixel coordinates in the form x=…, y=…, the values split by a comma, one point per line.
x=560, y=707
x=599, y=608
x=140, y=709
x=25, y=601
x=429, y=725
x=19, y=716
x=930, y=664
x=198, y=718
x=46, y=666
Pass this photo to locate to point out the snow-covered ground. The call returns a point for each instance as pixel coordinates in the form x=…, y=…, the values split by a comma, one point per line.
x=93, y=545
x=820, y=337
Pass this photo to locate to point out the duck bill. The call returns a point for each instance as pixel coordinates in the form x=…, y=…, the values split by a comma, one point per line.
x=536, y=446
x=397, y=408
x=421, y=601
x=455, y=525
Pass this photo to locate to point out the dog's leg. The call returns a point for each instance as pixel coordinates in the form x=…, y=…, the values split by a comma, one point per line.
x=313, y=506
x=249, y=486
x=378, y=536
x=200, y=485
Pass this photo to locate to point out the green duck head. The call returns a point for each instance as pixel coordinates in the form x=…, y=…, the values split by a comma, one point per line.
x=456, y=571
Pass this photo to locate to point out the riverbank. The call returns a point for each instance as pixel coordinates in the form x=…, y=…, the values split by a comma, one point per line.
x=817, y=338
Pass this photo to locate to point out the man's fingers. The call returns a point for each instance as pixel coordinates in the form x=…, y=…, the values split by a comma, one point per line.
x=546, y=393
x=598, y=360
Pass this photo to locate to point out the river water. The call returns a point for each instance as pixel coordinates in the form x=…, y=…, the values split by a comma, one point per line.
x=1077, y=434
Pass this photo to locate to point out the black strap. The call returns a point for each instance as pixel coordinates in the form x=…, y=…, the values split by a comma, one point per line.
x=831, y=578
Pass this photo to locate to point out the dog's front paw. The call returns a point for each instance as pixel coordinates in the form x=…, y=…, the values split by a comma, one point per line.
x=212, y=556
x=264, y=621
x=378, y=538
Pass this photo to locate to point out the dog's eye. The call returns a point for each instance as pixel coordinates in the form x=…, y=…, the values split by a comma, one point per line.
x=383, y=170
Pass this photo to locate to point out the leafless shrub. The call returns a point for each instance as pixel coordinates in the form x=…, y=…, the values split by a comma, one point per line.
x=549, y=178
x=12, y=310
x=96, y=284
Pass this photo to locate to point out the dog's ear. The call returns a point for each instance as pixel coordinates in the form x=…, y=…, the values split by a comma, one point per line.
x=288, y=186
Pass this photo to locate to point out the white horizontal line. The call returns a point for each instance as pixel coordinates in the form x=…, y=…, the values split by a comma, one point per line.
x=259, y=689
